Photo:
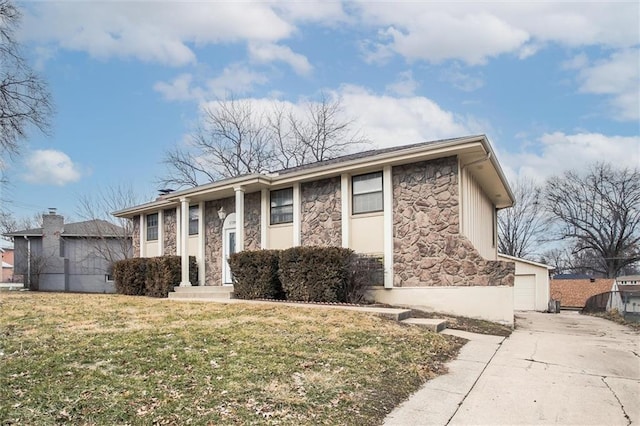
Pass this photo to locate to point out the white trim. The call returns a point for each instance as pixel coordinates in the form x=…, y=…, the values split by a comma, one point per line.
x=160, y=232
x=519, y=259
x=184, y=253
x=264, y=218
x=143, y=234
x=201, y=245
x=239, y=218
x=296, y=214
x=387, y=190
x=345, y=221
x=178, y=230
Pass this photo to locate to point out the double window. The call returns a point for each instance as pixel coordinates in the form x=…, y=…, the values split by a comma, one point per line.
x=367, y=193
x=152, y=227
x=282, y=206
x=194, y=214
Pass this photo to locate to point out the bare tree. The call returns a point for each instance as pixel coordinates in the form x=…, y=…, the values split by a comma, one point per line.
x=237, y=138
x=321, y=133
x=600, y=213
x=24, y=97
x=523, y=227
x=110, y=238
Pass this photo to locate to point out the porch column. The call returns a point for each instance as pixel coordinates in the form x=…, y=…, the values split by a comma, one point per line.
x=160, y=232
x=297, y=240
x=239, y=218
x=387, y=191
x=184, y=246
x=264, y=218
x=345, y=196
x=201, y=245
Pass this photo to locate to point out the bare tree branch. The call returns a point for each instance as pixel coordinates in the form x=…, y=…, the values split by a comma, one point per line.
x=600, y=214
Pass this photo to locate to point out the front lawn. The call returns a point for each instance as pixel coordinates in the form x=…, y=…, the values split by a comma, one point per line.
x=109, y=359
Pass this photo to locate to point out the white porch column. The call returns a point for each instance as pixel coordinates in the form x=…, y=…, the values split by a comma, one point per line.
x=160, y=232
x=184, y=246
x=387, y=191
x=345, y=195
x=264, y=218
x=143, y=234
x=296, y=215
x=239, y=218
x=178, y=228
x=201, y=245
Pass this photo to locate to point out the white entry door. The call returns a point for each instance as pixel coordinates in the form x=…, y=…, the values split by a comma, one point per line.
x=228, y=247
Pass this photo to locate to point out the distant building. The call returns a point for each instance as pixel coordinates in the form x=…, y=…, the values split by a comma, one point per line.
x=6, y=256
x=628, y=280
x=69, y=257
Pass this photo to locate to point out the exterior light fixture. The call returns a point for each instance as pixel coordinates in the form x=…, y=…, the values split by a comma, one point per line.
x=222, y=214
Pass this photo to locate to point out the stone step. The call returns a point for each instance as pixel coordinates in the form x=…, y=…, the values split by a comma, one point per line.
x=202, y=293
x=433, y=324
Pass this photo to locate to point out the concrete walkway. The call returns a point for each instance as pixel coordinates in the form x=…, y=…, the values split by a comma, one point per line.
x=564, y=369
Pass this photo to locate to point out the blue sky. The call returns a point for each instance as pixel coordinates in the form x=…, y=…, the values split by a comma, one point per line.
x=553, y=85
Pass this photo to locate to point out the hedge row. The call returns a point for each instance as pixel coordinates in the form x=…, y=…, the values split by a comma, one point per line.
x=151, y=276
x=309, y=274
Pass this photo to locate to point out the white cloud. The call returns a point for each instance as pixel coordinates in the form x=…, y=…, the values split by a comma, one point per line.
x=474, y=32
x=461, y=80
x=617, y=77
x=49, y=166
x=553, y=153
x=270, y=52
x=234, y=79
x=577, y=62
x=150, y=31
x=390, y=121
x=405, y=85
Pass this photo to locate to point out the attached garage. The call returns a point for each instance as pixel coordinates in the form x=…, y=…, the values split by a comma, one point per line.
x=531, y=285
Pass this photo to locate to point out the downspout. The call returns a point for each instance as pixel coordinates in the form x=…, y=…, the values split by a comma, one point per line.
x=28, y=260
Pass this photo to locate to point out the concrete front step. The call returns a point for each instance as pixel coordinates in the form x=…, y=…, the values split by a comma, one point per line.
x=432, y=324
x=201, y=293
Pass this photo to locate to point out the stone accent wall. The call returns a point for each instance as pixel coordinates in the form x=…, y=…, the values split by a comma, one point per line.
x=321, y=219
x=213, y=238
x=252, y=221
x=428, y=247
x=169, y=230
x=135, y=235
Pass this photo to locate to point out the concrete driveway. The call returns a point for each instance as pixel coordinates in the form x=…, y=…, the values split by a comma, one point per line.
x=561, y=369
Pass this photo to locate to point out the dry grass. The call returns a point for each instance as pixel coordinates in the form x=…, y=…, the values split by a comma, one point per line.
x=109, y=359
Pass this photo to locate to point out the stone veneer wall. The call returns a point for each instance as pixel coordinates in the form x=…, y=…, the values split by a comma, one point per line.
x=135, y=234
x=169, y=231
x=428, y=247
x=213, y=238
x=252, y=212
x=321, y=219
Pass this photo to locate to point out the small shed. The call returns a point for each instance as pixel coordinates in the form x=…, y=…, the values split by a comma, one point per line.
x=531, y=284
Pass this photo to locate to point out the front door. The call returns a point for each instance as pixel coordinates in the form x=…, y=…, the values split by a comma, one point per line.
x=228, y=247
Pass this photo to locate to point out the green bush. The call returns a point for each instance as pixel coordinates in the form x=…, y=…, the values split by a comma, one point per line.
x=255, y=274
x=316, y=274
x=152, y=276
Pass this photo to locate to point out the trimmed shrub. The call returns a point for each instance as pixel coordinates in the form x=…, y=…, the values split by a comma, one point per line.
x=153, y=276
x=255, y=274
x=130, y=276
x=316, y=274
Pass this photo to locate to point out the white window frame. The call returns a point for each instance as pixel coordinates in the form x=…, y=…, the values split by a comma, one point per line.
x=272, y=207
x=156, y=226
x=355, y=194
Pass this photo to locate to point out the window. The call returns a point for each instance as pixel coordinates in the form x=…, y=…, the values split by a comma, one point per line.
x=367, y=193
x=282, y=206
x=152, y=227
x=194, y=212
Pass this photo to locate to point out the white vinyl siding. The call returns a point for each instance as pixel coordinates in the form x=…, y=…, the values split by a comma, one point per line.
x=478, y=217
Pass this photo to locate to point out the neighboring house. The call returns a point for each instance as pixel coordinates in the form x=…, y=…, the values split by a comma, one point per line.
x=531, y=285
x=6, y=256
x=427, y=210
x=69, y=257
x=574, y=293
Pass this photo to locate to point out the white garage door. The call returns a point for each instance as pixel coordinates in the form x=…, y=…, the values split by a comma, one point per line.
x=524, y=293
